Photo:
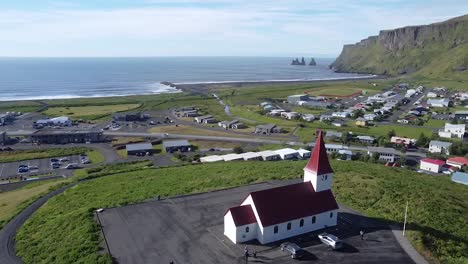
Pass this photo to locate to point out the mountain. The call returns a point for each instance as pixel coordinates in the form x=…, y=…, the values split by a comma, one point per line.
x=438, y=50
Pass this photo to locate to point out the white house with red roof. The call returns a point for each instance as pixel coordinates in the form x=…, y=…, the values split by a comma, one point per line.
x=432, y=165
x=458, y=162
x=279, y=213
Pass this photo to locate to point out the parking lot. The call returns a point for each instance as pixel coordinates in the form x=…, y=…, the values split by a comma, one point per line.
x=189, y=229
x=9, y=170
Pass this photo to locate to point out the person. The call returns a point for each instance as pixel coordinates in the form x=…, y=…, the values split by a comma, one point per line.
x=362, y=234
x=254, y=253
x=246, y=254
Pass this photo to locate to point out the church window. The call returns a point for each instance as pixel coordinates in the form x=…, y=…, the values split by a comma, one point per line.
x=313, y=219
x=301, y=223
x=331, y=214
x=247, y=229
x=289, y=226
x=275, y=229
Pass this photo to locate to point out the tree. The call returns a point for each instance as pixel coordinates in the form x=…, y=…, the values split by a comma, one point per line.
x=358, y=113
x=391, y=134
x=238, y=150
x=423, y=140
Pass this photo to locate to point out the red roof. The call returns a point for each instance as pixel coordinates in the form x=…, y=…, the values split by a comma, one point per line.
x=458, y=160
x=434, y=161
x=318, y=162
x=243, y=215
x=286, y=203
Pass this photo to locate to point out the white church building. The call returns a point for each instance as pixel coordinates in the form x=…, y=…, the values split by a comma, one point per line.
x=279, y=213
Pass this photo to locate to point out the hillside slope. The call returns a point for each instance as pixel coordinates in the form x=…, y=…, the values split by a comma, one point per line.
x=438, y=50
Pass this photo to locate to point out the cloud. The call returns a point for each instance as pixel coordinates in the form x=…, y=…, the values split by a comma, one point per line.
x=209, y=27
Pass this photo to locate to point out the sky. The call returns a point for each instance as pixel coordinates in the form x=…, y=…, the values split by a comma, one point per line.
x=133, y=28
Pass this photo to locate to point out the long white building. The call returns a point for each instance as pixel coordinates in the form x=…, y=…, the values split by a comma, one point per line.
x=278, y=213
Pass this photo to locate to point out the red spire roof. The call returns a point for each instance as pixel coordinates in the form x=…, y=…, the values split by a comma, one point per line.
x=318, y=162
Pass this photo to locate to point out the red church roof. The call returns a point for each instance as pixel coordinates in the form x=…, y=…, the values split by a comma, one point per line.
x=243, y=215
x=286, y=203
x=318, y=161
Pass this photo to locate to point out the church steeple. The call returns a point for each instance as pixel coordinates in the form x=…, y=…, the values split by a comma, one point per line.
x=318, y=169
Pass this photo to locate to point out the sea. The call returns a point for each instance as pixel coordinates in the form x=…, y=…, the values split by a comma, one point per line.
x=58, y=78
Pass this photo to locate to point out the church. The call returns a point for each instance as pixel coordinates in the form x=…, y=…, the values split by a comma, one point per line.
x=279, y=213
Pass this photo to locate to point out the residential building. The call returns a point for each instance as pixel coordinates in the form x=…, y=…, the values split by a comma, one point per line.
x=451, y=130
x=333, y=135
x=232, y=157
x=338, y=123
x=283, y=212
x=3, y=137
x=314, y=104
x=209, y=120
x=269, y=155
x=402, y=140
x=335, y=148
x=432, y=165
x=461, y=115
x=65, y=137
x=366, y=139
x=308, y=117
x=200, y=119
x=431, y=95
x=341, y=114
x=139, y=149
x=189, y=113
x=370, y=117
x=458, y=162
x=439, y=102
x=290, y=115
x=441, y=147
x=268, y=129
x=287, y=153
x=460, y=177
x=325, y=117
x=181, y=145
x=129, y=117
x=294, y=99
x=385, y=154
x=56, y=121
x=238, y=125
x=213, y=158
x=303, y=153
x=251, y=156
x=361, y=121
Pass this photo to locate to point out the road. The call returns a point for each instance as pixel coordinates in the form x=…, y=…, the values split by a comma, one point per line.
x=227, y=110
x=8, y=233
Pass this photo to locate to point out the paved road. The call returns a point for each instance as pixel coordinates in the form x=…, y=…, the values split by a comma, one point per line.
x=227, y=110
x=8, y=233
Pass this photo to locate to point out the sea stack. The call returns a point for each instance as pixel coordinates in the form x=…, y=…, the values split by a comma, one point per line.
x=312, y=62
x=296, y=61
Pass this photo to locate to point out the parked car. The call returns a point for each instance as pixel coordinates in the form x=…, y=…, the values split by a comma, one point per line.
x=85, y=161
x=33, y=167
x=23, y=166
x=293, y=249
x=331, y=240
x=54, y=160
x=63, y=159
x=22, y=170
x=71, y=166
x=55, y=165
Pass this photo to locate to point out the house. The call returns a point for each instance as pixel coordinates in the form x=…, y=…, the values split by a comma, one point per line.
x=227, y=124
x=294, y=99
x=251, y=156
x=268, y=129
x=287, y=153
x=361, y=121
x=403, y=121
x=458, y=162
x=171, y=146
x=314, y=104
x=56, y=121
x=335, y=147
x=431, y=165
x=269, y=155
x=438, y=116
x=442, y=147
x=3, y=137
x=189, y=113
x=213, y=158
x=303, y=153
x=65, y=137
x=308, y=117
x=139, y=149
x=431, y=95
x=325, y=117
x=238, y=125
x=451, y=130
x=278, y=213
x=338, y=123
x=461, y=115
x=366, y=139
x=345, y=154
x=460, y=177
x=333, y=135
x=200, y=119
x=438, y=102
x=129, y=117
x=384, y=154
x=402, y=140
x=290, y=115
x=232, y=157
x=341, y=114
x=370, y=117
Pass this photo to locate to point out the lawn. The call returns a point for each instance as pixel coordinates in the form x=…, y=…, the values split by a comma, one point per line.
x=13, y=202
x=19, y=106
x=190, y=130
x=435, y=123
x=19, y=155
x=335, y=91
x=95, y=156
x=89, y=112
x=202, y=144
x=438, y=208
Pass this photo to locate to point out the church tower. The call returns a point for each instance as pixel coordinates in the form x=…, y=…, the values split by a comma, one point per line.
x=318, y=170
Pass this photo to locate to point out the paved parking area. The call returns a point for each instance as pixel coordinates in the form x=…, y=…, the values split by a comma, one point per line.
x=9, y=170
x=189, y=229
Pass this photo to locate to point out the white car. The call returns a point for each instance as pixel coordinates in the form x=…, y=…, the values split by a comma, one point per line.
x=63, y=159
x=330, y=240
x=71, y=166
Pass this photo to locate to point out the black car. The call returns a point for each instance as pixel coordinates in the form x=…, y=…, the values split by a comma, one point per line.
x=54, y=160
x=296, y=251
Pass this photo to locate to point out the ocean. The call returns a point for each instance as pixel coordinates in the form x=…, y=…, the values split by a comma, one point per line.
x=54, y=78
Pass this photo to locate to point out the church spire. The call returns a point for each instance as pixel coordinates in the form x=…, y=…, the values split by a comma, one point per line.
x=318, y=162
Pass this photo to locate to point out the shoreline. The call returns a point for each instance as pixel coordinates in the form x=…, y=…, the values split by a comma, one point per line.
x=197, y=87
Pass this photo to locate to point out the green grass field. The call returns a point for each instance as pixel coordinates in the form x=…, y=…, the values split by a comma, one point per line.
x=436, y=221
x=89, y=112
x=19, y=106
x=19, y=155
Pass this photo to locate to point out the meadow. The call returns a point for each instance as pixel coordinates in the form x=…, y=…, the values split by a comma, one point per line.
x=89, y=112
x=19, y=155
x=438, y=208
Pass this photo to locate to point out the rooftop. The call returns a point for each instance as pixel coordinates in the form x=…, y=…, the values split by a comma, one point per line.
x=458, y=160
x=381, y=150
x=138, y=146
x=460, y=177
x=176, y=143
x=243, y=215
x=63, y=132
x=440, y=143
x=318, y=162
x=286, y=151
x=433, y=161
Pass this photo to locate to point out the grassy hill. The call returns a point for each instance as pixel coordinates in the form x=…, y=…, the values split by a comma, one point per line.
x=437, y=213
x=438, y=51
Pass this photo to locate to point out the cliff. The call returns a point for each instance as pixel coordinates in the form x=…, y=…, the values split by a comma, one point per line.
x=438, y=50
